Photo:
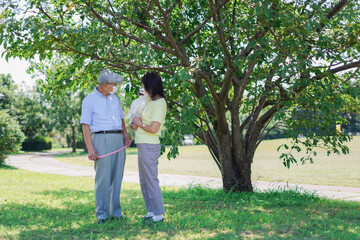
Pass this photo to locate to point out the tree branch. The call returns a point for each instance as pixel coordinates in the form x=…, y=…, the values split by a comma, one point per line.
x=240, y=86
x=153, y=31
x=200, y=91
x=267, y=133
x=107, y=23
x=245, y=123
x=269, y=114
x=136, y=68
x=196, y=30
x=254, y=118
x=337, y=8
x=351, y=76
x=169, y=11
x=179, y=51
x=210, y=85
x=345, y=67
x=216, y=15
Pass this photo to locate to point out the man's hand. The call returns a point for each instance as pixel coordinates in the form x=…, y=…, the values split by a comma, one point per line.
x=127, y=141
x=93, y=155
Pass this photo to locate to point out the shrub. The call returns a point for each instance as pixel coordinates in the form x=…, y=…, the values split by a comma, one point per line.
x=11, y=135
x=37, y=143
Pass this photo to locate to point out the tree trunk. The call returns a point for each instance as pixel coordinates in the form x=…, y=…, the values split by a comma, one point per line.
x=73, y=138
x=235, y=166
x=236, y=172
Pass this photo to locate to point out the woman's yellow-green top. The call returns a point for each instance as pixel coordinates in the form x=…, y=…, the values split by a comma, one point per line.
x=155, y=110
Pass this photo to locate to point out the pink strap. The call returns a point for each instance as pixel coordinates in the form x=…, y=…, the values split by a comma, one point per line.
x=108, y=154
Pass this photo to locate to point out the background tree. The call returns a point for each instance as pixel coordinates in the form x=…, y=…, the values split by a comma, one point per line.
x=11, y=136
x=32, y=113
x=7, y=89
x=65, y=113
x=27, y=108
x=65, y=106
x=220, y=60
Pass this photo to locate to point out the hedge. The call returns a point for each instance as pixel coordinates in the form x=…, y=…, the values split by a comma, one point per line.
x=37, y=143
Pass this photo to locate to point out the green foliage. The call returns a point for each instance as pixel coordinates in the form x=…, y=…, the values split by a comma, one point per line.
x=265, y=60
x=44, y=206
x=11, y=136
x=7, y=87
x=27, y=107
x=36, y=143
x=32, y=113
x=64, y=112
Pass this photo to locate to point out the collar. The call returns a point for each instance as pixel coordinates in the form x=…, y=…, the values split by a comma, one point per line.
x=99, y=94
x=96, y=91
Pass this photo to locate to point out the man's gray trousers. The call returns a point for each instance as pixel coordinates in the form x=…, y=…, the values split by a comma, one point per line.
x=109, y=174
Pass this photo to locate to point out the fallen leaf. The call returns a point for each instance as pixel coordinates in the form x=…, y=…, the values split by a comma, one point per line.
x=316, y=212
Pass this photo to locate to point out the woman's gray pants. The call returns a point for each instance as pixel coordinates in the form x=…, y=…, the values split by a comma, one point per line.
x=148, y=155
x=109, y=174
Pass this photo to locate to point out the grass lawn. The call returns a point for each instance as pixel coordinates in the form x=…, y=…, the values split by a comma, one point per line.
x=337, y=170
x=45, y=206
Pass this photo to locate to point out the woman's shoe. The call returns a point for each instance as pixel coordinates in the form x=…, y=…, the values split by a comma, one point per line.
x=154, y=219
x=148, y=216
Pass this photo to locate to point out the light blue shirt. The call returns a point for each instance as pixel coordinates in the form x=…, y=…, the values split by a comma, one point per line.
x=101, y=113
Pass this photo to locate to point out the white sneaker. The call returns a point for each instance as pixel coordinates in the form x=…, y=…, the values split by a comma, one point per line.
x=153, y=219
x=149, y=215
x=157, y=218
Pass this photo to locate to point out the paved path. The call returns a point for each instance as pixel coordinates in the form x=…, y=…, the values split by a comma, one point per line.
x=45, y=163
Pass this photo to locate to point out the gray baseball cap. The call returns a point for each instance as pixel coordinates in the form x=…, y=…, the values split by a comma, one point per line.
x=106, y=76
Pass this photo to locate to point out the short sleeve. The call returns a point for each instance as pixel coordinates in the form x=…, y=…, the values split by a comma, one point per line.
x=122, y=115
x=158, y=112
x=86, y=115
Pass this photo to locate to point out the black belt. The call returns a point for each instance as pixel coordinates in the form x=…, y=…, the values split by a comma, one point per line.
x=108, y=131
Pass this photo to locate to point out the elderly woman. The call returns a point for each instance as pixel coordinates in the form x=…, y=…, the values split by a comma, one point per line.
x=148, y=131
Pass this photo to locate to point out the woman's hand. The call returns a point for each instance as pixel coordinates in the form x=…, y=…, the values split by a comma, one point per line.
x=152, y=128
x=133, y=126
x=137, y=121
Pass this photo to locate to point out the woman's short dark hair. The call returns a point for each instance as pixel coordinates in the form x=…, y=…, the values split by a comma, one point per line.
x=153, y=84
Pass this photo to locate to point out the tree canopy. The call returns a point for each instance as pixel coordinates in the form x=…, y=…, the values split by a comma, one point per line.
x=229, y=67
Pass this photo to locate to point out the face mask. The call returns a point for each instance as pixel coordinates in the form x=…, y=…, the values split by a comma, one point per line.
x=115, y=88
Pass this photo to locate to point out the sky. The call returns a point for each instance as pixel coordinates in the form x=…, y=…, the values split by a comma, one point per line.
x=17, y=69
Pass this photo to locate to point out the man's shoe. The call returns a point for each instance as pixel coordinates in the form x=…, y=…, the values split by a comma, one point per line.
x=101, y=221
x=117, y=218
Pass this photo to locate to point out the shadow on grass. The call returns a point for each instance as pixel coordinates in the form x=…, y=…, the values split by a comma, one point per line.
x=194, y=213
x=7, y=167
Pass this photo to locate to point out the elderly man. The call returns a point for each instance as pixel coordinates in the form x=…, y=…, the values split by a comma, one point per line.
x=104, y=131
